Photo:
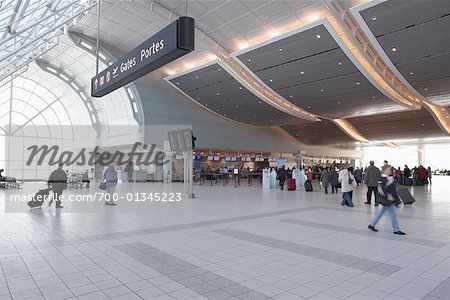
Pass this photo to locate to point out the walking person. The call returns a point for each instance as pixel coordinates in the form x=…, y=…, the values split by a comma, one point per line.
x=110, y=177
x=58, y=183
x=325, y=179
x=334, y=180
x=387, y=198
x=372, y=177
x=129, y=168
x=348, y=182
x=282, y=177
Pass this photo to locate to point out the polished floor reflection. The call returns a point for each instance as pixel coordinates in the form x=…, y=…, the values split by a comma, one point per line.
x=228, y=243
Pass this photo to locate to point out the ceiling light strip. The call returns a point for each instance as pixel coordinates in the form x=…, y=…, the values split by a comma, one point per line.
x=440, y=114
x=350, y=130
x=354, y=43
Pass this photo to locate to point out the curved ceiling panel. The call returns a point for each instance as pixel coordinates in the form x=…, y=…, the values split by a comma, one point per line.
x=414, y=35
x=318, y=133
x=399, y=125
x=310, y=70
x=215, y=89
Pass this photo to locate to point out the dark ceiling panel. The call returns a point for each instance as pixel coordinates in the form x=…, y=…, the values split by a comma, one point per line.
x=391, y=16
x=417, y=42
x=202, y=77
x=215, y=89
x=322, y=66
x=418, y=30
x=324, y=82
x=318, y=133
x=292, y=48
x=400, y=125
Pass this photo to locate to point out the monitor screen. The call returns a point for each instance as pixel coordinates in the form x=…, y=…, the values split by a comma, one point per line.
x=210, y=157
x=216, y=158
x=197, y=157
x=233, y=158
x=227, y=158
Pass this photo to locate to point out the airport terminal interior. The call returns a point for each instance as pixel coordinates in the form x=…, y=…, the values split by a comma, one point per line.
x=225, y=149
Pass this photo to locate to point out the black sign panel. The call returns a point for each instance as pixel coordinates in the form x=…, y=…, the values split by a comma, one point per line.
x=172, y=42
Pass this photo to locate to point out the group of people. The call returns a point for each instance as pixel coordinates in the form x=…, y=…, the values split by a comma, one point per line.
x=57, y=182
x=380, y=183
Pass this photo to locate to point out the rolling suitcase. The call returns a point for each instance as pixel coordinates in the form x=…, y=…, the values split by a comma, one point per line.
x=290, y=184
x=308, y=186
x=405, y=196
x=39, y=198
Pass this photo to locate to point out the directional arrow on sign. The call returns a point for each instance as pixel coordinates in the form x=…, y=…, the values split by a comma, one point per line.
x=95, y=83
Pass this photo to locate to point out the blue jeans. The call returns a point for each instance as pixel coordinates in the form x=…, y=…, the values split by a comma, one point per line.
x=393, y=213
x=347, y=199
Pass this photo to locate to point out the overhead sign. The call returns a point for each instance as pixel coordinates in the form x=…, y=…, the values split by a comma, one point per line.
x=172, y=42
x=180, y=140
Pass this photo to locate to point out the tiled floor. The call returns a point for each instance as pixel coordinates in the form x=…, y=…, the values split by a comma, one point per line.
x=229, y=243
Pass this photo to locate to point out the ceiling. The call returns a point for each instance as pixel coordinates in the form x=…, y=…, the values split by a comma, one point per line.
x=310, y=70
x=418, y=32
x=216, y=90
x=287, y=48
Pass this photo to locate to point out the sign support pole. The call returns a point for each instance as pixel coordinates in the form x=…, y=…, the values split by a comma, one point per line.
x=98, y=36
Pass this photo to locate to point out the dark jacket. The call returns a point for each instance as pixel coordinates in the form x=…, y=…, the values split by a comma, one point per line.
x=58, y=180
x=334, y=178
x=282, y=174
x=325, y=178
x=372, y=176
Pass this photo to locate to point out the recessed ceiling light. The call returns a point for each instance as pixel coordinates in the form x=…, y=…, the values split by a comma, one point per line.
x=318, y=36
x=411, y=73
x=309, y=106
x=259, y=101
x=443, y=109
x=217, y=94
x=206, y=104
x=271, y=121
x=281, y=49
x=237, y=106
x=240, y=87
x=423, y=124
x=178, y=83
x=321, y=91
x=249, y=59
x=339, y=102
x=393, y=127
x=196, y=77
x=301, y=72
x=198, y=98
x=290, y=96
x=220, y=70
x=271, y=80
x=339, y=63
x=358, y=83
x=425, y=89
x=373, y=97
x=217, y=109
x=394, y=49
x=374, y=18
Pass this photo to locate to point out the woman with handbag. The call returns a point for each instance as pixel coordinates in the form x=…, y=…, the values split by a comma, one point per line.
x=387, y=198
x=348, y=183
